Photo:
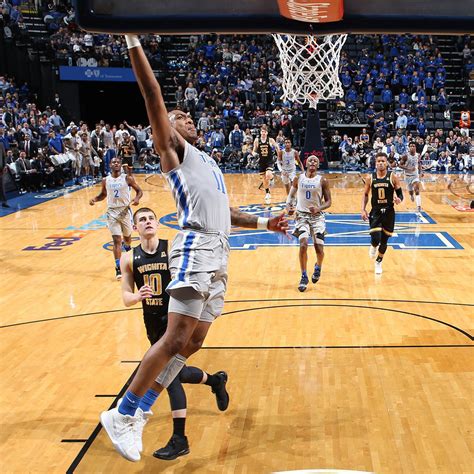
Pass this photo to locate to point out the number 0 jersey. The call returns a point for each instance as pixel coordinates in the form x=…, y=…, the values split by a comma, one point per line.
x=382, y=191
x=310, y=192
x=152, y=270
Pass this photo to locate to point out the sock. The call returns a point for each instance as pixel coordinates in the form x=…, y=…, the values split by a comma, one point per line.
x=148, y=400
x=304, y=274
x=379, y=259
x=212, y=380
x=267, y=190
x=178, y=426
x=317, y=267
x=127, y=248
x=130, y=403
x=117, y=263
x=418, y=200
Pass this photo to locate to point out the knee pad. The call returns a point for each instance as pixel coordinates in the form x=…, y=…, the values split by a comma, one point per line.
x=383, y=243
x=171, y=370
x=375, y=238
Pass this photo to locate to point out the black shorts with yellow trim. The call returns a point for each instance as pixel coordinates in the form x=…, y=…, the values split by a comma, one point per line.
x=382, y=220
x=127, y=161
x=265, y=165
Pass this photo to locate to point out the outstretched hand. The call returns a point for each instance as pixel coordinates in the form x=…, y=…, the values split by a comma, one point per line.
x=278, y=224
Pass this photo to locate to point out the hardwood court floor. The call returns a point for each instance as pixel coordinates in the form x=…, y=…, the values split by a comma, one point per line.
x=361, y=373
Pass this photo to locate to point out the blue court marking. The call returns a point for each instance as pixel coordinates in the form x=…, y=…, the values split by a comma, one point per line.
x=349, y=230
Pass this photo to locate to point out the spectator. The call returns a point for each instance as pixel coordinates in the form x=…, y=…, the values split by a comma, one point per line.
x=402, y=122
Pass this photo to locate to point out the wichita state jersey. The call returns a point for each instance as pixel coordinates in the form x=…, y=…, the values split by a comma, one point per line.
x=152, y=270
x=382, y=191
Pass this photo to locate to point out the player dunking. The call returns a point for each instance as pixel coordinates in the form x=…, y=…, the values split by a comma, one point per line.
x=146, y=268
x=412, y=166
x=313, y=197
x=382, y=185
x=287, y=159
x=116, y=188
x=198, y=257
x=263, y=148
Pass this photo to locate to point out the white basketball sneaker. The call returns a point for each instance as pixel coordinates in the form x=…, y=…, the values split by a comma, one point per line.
x=268, y=198
x=373, y=251
x=121, y=430
x=378, y=268
x=142, y=420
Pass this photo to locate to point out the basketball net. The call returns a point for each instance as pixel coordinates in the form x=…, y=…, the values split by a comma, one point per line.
x=310, y=67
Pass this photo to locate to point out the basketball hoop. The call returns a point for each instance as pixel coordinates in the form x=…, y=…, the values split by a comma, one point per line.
x=310, y=67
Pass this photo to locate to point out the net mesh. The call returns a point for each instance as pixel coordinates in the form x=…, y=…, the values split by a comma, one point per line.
x=310, y=67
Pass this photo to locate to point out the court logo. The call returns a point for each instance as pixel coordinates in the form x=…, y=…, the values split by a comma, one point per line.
x=59, y=242
x=412, y=231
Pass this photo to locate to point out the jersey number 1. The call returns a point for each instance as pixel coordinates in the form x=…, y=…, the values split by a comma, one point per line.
x=381, y=192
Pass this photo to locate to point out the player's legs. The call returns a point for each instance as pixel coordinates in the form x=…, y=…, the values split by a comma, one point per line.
x=267, y=177
x=318, y=228
x=117, y=251
x=178, y=443
x=416, y=189
x=319, y=247
x=126, y=224
x=177, y=335
x=285, y=178
x=388, y=226
x=303, y=258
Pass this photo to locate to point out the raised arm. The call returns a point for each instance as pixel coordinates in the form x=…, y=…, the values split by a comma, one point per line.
x=242, y=219
x=167, y=142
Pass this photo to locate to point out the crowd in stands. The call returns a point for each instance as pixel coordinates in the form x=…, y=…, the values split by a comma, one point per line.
x=231, y=85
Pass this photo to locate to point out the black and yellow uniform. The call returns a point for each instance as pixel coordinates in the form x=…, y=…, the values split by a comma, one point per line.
x=152, y=270
x=382, y=214
x=126, y=152
x=265, y=153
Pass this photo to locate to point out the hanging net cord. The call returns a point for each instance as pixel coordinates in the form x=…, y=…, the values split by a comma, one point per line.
x=310, y=66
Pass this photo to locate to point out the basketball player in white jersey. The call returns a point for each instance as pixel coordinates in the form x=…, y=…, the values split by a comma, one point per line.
x=412, y=166
x=263, y=147
x=116, y=188
x=313, y=196
x=287, y=159
x=198, y=256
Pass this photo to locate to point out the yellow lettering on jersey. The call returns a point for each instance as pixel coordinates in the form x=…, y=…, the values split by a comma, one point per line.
x=150, y=267
x=154, y=301
x=154, y=282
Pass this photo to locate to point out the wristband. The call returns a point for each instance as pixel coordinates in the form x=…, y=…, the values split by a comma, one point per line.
x=132, y=41
x=262, y=223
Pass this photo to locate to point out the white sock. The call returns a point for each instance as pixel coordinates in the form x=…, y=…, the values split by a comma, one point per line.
x=418, y=200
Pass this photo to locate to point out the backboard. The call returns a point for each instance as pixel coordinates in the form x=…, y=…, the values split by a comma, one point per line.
x=276, y=16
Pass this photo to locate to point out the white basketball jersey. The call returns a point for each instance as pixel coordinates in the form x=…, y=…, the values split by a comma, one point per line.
x=288, y=162
x=310, y=192
x=200, y=193
x=118, y=191
x=412, y=165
